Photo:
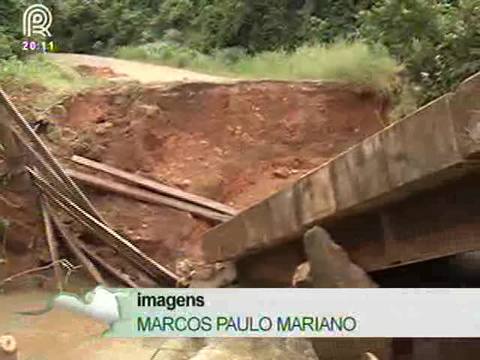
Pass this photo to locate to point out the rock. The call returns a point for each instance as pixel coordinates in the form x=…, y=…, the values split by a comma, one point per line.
x=8, y=348
x=149, y=110
x=186, y=182
x=281, y=173
x=183, y=183
x=100, y=130
x=184, y=267
x=147, y=167
x=330, y=265
x=201, y=275
x=331, y=268
x=302, y=278
x=216, y=276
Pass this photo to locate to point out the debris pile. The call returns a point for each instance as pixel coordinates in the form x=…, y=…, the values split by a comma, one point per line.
x=58, y=191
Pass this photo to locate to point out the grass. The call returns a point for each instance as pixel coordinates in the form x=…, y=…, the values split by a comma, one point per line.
x=58, y=81
x=353, y=62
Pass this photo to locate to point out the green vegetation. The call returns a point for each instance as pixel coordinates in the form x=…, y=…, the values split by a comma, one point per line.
x=438, y=42
x=353, y=62
x=38, y=71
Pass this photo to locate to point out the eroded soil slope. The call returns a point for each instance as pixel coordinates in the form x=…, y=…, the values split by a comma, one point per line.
x=235, y=143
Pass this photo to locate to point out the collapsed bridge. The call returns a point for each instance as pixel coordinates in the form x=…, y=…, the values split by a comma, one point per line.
x=407, y=194
x=404, y=195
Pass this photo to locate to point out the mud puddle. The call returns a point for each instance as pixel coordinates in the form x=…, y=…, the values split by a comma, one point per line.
x=62, y=335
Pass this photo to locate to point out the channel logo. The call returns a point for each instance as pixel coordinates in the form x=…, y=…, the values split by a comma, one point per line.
x=37, y=19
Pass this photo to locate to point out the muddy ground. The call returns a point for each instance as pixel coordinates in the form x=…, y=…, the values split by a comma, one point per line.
x=79, y=338
x=234, y=143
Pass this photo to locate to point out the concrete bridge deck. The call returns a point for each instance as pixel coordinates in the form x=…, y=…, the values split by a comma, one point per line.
x=408, y=193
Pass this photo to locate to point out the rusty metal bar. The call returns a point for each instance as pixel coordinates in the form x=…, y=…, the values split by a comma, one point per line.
x=72, y=244
x=125, y=248
x=115, y=272
x=52, y=243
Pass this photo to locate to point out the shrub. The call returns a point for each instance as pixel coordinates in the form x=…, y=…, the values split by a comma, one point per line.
x=40, y=71
x=354, y=62
x=6, y=48
x=438, y=42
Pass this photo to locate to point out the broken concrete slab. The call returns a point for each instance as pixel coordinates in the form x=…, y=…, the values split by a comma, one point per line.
x=420, y=152
x=331, y=267
x=302, y=278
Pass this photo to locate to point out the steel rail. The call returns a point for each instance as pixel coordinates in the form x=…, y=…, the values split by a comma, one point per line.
x=113, y=239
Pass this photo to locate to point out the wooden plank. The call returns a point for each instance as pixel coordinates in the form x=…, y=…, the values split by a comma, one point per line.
x=109, y=236
x=156, y=186
x=104, y=264
x=45, y=153
x=72, y=244
x=146, y=196
x=52, y=243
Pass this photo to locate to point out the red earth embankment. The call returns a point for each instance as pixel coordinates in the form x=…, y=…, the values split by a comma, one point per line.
x=235, y=143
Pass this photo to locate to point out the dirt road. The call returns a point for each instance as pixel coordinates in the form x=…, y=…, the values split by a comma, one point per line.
x=134, y=70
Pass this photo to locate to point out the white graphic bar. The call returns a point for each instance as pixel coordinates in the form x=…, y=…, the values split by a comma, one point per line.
x=298, y=313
